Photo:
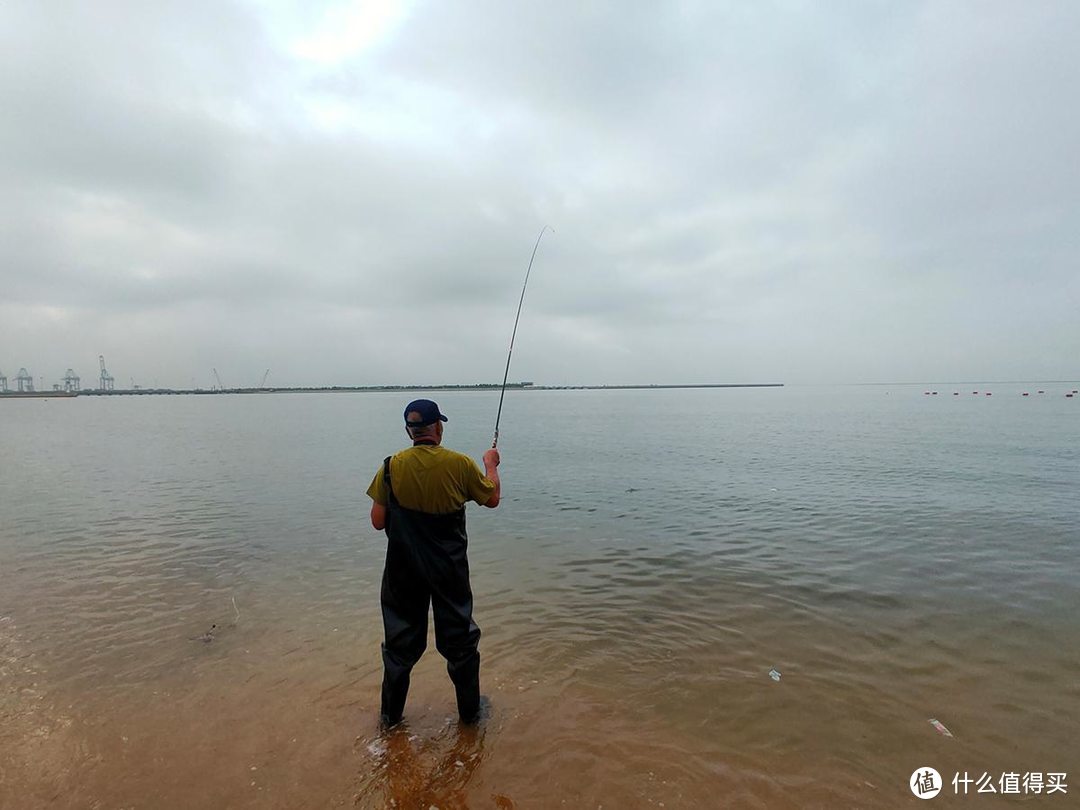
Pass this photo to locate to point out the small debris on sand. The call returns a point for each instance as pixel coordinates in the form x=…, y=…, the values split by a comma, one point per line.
x=940, y=727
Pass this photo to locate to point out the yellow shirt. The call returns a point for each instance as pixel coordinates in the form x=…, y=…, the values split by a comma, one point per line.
x=433, y=479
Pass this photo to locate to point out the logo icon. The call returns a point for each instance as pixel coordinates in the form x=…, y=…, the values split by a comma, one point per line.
x=925, y=783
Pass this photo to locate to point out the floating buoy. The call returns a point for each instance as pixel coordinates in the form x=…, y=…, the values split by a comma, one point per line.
x=1070, y=396
x=926, y=393
x=956, y=393
x=934, y=393
x=989, y=394
x=1025, y=394
x=1042, y=392
x=974, y=392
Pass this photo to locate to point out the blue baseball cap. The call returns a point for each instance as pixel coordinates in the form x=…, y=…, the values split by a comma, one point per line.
x=428, y=410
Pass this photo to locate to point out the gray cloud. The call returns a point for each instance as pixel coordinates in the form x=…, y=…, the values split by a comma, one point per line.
x=781, y=191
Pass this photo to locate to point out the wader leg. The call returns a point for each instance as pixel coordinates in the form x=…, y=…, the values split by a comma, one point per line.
x=456, y=638
x=405, y=612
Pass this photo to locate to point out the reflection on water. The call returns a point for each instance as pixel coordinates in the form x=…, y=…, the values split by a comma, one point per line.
x=407, y=771
x=896, y=559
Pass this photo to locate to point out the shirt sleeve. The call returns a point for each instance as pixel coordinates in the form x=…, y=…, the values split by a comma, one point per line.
x=377, y=490
x=479, y=486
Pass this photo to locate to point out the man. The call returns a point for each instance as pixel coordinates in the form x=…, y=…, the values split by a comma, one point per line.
x=419, y=498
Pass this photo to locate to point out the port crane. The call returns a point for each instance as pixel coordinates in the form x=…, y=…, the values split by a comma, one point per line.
x=220, y=387
x=71, y=381
x=3, y=383
x=107, y=381
x=24, y=381
x=267, y=374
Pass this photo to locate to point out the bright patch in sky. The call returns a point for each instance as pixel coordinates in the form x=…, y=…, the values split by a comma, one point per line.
x=348, y=29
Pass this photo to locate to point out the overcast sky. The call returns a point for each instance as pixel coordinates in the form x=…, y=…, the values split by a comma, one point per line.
x=349, y=192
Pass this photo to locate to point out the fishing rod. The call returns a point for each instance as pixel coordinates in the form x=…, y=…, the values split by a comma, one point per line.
x=506, y=374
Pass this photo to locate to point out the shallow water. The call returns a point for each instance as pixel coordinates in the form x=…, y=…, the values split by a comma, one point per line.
x=896, y=557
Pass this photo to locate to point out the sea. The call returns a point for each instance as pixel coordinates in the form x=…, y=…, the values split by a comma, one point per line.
x=806, y=596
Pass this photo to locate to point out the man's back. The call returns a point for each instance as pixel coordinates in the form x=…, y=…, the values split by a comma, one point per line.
x=434, y=479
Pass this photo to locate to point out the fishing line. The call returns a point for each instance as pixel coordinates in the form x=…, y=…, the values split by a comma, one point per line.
x=506, y=374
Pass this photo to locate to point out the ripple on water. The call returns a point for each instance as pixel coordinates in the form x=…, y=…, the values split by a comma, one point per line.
x=893, y=565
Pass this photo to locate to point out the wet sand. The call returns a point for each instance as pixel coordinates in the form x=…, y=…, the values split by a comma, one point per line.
x=286, y=719
x=297, y=745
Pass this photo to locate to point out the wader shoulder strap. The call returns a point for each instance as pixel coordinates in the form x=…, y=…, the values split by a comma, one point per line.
x=386, y=481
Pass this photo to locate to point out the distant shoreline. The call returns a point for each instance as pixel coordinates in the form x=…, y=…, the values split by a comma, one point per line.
x=333, y=389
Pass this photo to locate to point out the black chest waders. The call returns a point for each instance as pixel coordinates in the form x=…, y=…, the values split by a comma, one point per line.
x=426, y=562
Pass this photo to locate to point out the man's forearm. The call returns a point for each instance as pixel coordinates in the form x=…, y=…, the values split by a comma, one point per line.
x=492, y=472
x=491, y=469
